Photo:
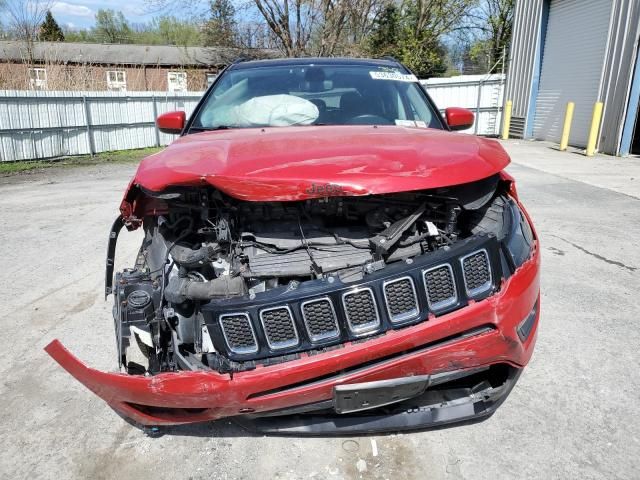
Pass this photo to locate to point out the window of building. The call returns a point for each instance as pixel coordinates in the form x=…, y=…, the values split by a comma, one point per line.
x=211, y=77
x=117, y=80
x=37, y=79
x=177, y=81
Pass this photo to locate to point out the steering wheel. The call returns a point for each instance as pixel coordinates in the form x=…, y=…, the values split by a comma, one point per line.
x=368, y=119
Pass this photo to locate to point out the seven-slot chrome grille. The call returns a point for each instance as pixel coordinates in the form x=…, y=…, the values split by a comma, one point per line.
x=349, y=312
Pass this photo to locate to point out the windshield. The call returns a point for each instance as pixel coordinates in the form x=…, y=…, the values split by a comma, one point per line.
x=282, y=96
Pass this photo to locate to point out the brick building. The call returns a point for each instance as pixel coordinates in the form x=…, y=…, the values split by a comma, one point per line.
x=89, y=66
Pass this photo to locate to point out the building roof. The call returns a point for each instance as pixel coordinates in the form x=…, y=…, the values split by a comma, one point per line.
x=125, y=54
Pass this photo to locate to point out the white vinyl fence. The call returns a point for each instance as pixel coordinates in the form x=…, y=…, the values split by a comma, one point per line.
x=482, y=94
x=36, y=125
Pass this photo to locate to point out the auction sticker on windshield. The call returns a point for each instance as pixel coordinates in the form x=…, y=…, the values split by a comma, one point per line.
x=396, y=76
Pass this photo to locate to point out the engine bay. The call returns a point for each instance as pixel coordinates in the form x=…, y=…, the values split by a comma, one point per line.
x=204, y=249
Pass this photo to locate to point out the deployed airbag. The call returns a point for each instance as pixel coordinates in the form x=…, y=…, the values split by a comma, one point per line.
x=274, y=111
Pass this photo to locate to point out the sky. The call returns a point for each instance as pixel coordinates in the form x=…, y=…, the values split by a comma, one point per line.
x=81, y=13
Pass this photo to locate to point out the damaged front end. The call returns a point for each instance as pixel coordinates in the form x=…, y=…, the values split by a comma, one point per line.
x=309, y=316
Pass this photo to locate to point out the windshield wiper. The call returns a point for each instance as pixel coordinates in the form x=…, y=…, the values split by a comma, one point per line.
x=210, y=129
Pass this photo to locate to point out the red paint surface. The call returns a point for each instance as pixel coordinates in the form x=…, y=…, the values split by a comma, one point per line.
x=222, y=396
x=459, y=118
x=171, y=122
x=284, y=164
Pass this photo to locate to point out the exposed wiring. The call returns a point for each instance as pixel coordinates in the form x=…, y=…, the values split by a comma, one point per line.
x=314, y=265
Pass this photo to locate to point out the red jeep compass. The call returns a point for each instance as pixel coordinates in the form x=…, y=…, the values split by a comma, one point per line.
x=321, y=255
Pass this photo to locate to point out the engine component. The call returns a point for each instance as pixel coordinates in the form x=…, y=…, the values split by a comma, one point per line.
x=180, y=289
x=298, y=263
x=134, y=309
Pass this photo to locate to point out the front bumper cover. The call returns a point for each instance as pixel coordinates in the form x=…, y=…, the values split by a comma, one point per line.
x=482, y=334
x=432, y=409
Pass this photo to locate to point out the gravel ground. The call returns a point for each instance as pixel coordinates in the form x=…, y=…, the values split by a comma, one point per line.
x=574, y=414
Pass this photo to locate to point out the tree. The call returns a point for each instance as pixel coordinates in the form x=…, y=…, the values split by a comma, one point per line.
x=318, y=27
x=25, y=18
x=386, y=32
x=173, y=31
x=167, y=30
x=494, y=20
x=72, y=35
x=221, y=28
x=295, y=27
x=413, y=33
x=291, y=22
x=425, y=57
x=50, y=31
x=363, y=15
x=112, y=27
x=332, y=25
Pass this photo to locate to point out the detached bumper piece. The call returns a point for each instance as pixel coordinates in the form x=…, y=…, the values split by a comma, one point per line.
x=443, y=399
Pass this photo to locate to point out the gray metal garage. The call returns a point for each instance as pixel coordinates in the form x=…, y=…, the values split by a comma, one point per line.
x=582, y=51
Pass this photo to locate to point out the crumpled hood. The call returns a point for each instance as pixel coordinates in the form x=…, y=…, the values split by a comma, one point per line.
x=296, y=163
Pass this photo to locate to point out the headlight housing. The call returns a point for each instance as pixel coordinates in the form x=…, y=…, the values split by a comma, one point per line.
x=518, y=238
x=503, y=218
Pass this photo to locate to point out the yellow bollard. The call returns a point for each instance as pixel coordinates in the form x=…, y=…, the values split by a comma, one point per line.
x=506, y=124
x=595, y=129
x=566, y=129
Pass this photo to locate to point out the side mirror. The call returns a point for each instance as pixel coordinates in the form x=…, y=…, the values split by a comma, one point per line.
x=459, y=118
x=171, y=122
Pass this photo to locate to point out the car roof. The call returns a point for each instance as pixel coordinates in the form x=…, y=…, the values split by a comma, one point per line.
x=283, y=62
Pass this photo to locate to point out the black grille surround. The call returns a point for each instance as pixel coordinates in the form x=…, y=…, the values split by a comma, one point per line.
x=328, y=312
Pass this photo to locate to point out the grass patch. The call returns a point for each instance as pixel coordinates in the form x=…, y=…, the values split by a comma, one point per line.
x=121, y=156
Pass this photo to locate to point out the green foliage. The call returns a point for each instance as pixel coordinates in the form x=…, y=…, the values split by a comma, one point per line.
x=220, y=29
x=386, y=32
x=112, y=27
x=479, y=55
x=168, y=30
x=50, y=31
x=395, y=33
x=426, y=57
x=494, y=21
x=173, y=31
x=501, y=27
x=80, y=36
x=119, y=156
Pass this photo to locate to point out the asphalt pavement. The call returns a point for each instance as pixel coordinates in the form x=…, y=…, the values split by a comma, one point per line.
x=575, y=412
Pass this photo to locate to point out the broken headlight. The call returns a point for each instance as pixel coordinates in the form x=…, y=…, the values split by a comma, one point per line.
x=518, y=236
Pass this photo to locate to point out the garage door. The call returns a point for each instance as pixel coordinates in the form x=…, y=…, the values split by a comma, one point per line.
x=572, y=65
